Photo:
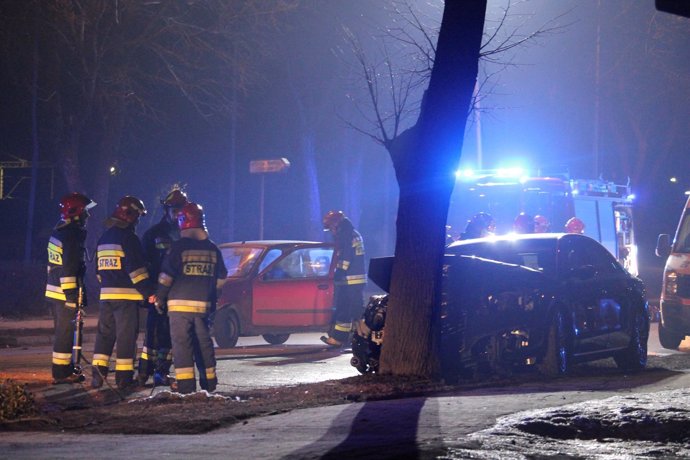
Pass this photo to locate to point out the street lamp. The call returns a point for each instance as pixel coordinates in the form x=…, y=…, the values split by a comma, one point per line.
x=264, y=167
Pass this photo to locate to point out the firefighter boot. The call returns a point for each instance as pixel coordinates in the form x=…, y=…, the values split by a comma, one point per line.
x=125, y=380
x=331, y=342
x=160, y=379
x=163, y=363
x=72, y=378
x=97, y=377
x=142, y=379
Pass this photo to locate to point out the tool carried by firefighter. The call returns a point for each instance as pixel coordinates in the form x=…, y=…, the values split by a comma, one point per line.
x=77, y=356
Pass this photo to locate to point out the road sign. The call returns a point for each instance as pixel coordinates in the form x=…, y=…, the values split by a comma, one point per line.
x=268, y=166
x=264, y=167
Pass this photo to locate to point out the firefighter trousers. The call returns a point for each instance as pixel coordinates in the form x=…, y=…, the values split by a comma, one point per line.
x=156, y=355
x=118, y=322
x=191, y=338
x=348, y=300
x=64, y=317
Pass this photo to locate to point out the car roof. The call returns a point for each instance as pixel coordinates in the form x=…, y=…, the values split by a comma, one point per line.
x=273, y=243
x=516, y=237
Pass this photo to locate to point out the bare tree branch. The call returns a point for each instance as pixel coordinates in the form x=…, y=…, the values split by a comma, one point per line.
x=408, y=51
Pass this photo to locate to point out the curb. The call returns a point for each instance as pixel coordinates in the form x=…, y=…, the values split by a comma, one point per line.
x=32, y=338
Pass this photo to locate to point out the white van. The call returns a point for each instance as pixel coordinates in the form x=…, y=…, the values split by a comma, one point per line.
x=674, y=323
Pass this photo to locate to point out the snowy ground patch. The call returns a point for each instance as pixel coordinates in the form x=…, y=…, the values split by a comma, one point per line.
x=648, y=425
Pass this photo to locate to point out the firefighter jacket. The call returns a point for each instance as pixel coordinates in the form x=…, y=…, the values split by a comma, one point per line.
x=121, y=265
x=157, y=241
x=349, y=252
x=190, y=275
x=66, y=262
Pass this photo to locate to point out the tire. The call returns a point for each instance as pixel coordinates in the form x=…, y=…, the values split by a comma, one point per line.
x=359, y=365
x=634, y=357
x=557, y=355
x=276, y=339
x=226, y=328
x=668, y=339
x=364, y=355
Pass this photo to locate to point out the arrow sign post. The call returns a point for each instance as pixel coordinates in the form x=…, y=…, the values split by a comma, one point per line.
x=263, y=167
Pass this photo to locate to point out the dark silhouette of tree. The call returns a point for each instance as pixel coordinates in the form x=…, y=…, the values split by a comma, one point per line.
x=424, y=157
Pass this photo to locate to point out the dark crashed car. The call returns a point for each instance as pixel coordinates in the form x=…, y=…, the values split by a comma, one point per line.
x=539, y=300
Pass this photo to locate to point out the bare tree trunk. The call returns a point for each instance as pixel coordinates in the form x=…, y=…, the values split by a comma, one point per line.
x=424, y=158
x=315, y=227
x=28, y=243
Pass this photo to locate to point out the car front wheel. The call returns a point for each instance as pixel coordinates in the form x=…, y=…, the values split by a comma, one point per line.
x=669, y=339
x=556, y=359
x=226, y=328
x=276, y=339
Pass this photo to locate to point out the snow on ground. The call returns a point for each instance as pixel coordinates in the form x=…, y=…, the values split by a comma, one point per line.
x=649, y=425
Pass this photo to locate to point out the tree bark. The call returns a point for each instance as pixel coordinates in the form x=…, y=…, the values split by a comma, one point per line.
x=424, y=158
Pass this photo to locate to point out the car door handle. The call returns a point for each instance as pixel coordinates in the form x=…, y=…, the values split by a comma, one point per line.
x=323, y=287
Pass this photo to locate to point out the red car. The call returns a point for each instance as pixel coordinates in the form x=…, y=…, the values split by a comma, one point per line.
x=274, y=289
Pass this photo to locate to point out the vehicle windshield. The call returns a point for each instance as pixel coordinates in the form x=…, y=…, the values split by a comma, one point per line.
x=539, y=254
x=240, y=260
x=682, y=243
x=504, y=201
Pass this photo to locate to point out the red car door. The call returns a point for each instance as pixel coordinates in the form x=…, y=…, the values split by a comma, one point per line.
x=295, y=290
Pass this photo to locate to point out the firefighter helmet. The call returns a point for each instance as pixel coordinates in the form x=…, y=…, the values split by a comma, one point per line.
x=541, y=224
x=523, y=223
x=332, y=219
x=74, y=205
x=175, y=199
x=575, y=225
x=480, y=225
x=191, y=216
x=129, y=209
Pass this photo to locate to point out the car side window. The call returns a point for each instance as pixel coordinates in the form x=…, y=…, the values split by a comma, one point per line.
x=600, y=258
x=571, y=256
x=302, y=263
x=271, y=255
x=578, y=253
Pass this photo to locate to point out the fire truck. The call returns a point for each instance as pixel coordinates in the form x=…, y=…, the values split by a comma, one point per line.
x=605, y=208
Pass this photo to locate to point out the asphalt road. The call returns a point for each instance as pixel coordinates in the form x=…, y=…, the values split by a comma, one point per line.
x=252, y=364
x=405, y=428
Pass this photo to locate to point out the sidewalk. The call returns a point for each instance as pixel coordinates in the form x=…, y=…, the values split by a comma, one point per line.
x=38, y=331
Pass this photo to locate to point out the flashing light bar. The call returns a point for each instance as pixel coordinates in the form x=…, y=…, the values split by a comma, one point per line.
x=503, y=173
x=510, y=172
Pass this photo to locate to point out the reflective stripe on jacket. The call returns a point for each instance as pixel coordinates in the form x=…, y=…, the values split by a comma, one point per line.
x=121, y=266
x=189, y=276
x=65, y=262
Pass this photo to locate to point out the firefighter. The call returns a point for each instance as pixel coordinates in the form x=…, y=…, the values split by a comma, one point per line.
x=66, y=271
x=541, y=224
x=156, y=355
x=523, y=223
x=575, y=225
x=191, y=274
x=125, y=283
x=350, y=277
x=479, y=226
